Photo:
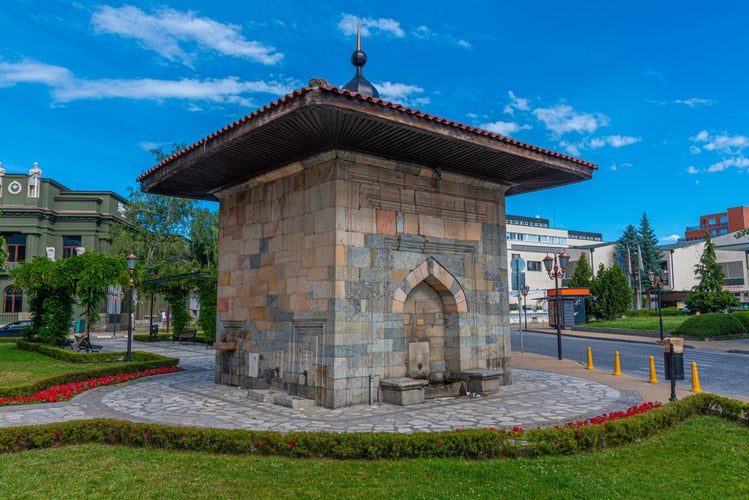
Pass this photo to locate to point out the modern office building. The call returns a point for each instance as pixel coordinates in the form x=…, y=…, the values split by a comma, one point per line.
x=531, y=239
x=730, y=221
x=41, y=217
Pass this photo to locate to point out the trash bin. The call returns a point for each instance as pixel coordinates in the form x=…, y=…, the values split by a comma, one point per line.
x=80, y=325
x=677, y=356
x=154, y=330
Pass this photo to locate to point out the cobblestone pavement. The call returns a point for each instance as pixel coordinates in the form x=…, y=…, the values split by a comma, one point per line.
x=191, y=398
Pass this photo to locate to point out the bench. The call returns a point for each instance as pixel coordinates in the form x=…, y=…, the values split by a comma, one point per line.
x=82, y=343
x=185, y=336
x=66, y=342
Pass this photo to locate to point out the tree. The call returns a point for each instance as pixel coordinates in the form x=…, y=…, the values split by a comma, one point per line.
x=171, y=237
x=92, y=273
x=204, y=237
x=583, y=278
x=3, y=251
x=649, y=246
x=49, y=289
x=53, y=286
x=708, y=295
x=610, y=293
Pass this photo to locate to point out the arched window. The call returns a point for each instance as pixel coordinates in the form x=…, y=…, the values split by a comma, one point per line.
x=12, y=300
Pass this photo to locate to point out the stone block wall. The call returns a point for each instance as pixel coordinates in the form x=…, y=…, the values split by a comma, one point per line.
x=323, y=267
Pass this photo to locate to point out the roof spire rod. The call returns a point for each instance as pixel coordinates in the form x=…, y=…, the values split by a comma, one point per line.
x=358, y=83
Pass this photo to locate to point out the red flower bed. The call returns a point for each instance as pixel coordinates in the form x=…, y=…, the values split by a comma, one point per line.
x=616, y=415
x=63, y=392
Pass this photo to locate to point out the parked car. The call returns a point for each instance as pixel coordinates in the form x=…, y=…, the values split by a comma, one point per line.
x=15, y=329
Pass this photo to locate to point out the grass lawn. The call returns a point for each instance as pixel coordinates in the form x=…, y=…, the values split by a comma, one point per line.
x=641, y=323
x=20, y=367
x=704, y=457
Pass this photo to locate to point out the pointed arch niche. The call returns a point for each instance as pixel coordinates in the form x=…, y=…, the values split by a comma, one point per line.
x=430, y=300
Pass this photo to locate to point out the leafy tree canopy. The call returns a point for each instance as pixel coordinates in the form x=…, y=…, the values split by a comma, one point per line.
x=708, y=295
x=610, y=293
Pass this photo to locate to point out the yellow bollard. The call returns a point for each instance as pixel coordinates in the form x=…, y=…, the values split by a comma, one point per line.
x=617, y=365
x=695, y=378
x=653, y=378
x=590, y=361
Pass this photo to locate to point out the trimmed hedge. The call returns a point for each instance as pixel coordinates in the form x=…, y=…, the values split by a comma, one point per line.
x=742, y=316
x=469, y=444
x=163, y=337
x=710, y=325
x=644, y=313
x=140, y=361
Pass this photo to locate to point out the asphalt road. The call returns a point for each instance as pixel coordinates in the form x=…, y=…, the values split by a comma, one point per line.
x=720, y=372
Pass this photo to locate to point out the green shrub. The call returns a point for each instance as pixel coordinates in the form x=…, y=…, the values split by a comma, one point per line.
x=646, y=313
x=145, y=337
x=710, y=325
x=468, y=444
x=140, y=361
x=742, y=316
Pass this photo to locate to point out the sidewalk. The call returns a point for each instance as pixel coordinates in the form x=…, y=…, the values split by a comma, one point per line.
x=647, y=337
x=649, y=392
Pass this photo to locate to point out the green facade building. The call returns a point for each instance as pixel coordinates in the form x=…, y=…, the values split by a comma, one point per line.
x=41, y=217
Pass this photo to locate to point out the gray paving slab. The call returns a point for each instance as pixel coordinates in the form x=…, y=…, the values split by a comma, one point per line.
x=191, y=398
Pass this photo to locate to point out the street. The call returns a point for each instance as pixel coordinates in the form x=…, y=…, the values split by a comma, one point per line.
x=720, y=372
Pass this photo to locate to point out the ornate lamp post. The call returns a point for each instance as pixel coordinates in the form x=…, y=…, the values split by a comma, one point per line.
x=658, y=280
x=131, y=266
x=555, y=267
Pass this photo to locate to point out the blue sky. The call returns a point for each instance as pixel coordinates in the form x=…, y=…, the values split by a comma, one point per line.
x=653, y=92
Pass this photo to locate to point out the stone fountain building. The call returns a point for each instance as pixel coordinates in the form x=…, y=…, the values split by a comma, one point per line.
x=362, y=244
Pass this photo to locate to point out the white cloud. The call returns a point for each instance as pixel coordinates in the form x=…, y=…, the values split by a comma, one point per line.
x=615, y=167
x=671, y=239
x=503, y=128
x=32, y=72
x=722, y=143
x=570, y=147
x=402, y=93
x=691, y=170
x=65, y=87
x=221, y=90
x=615, y=141
x=168, y=31
x=370, y=26
x=739, y=162
x=563, y=118
x=516, y=103
x=695, y=101
x=390, y=27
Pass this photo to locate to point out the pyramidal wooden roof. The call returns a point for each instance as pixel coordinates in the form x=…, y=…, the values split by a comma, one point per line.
x=321, y=117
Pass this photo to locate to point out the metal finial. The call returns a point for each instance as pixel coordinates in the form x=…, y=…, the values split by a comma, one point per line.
x=358, y=34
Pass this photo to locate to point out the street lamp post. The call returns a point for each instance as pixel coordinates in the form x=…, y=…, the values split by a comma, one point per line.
x=524, y=291
x=555, y=267
x=131, y=266
x=658, y=280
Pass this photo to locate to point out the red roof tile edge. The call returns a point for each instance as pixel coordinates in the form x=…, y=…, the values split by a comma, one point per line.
x=320, y=84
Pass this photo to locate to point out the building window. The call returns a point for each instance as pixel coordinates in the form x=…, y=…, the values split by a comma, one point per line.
x=713, y=233
x=69, y=244
x=724, y=219
x=15, y=244
x=12, y=300
x=534, y=265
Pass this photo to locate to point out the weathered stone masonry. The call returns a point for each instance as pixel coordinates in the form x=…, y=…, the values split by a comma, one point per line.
x=346, y=265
